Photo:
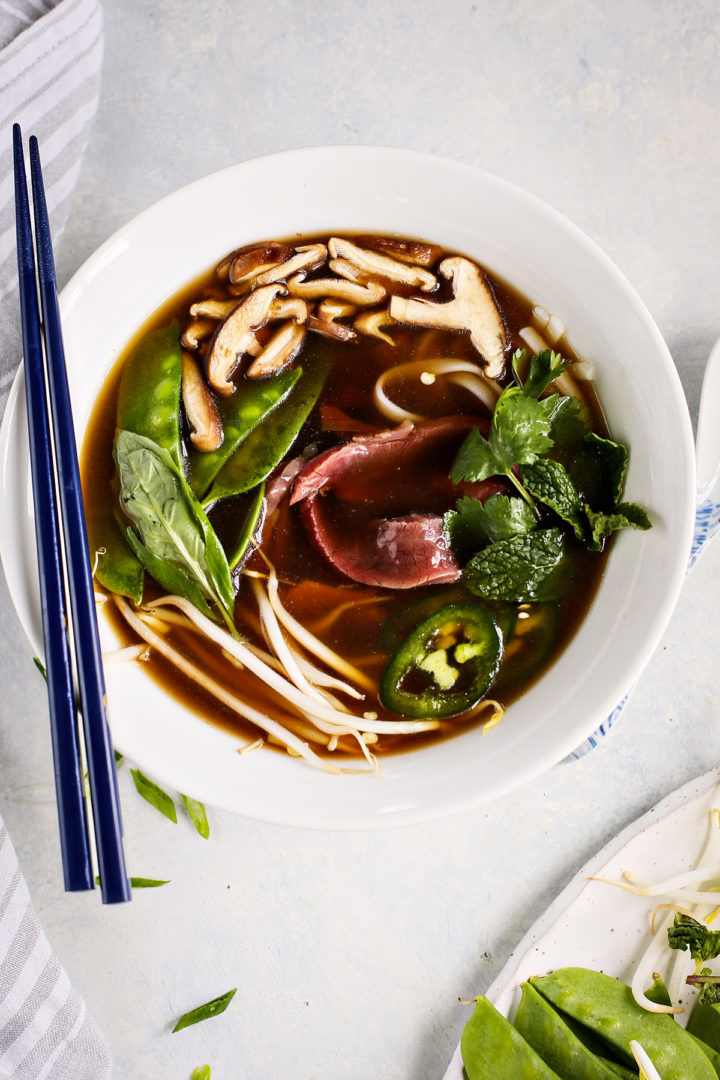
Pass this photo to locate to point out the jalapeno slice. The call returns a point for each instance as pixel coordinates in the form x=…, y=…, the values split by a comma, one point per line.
x=445, y=665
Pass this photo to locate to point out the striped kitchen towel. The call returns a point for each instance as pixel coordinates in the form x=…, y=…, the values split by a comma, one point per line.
x=50, y=56
x=46, y=1032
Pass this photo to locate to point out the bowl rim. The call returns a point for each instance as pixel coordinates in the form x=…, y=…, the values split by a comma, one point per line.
x=103, y=256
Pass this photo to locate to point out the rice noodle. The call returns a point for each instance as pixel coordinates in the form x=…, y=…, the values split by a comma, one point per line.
x=485, y=390
x=534, y=341
x=265, y=723
x=436, y=366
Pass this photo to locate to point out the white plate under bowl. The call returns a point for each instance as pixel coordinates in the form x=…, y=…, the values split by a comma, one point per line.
x=543, y=255
x=597, y=926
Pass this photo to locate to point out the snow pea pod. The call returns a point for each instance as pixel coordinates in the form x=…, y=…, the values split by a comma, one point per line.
x=546, y=1031
x=268, y=442
x=493, y=1050
x=704, y=1023
x=149, y=392
x=237, y=549
x=148, y=405
x=607, y=1006
x=116, y=568
x=241, y=413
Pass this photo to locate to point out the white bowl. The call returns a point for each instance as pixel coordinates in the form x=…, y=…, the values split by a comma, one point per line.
x=543, y=255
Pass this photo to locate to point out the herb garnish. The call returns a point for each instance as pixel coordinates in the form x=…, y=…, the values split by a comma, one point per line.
x=154, y=795
x=172, y=536
x=198, y=816
x=204, y=1012
x=514, y=555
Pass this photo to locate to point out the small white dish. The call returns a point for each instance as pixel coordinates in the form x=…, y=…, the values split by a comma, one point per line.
x=540, y=253
x=594, y=925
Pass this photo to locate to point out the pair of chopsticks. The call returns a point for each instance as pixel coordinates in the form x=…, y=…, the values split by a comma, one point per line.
x=64, y=566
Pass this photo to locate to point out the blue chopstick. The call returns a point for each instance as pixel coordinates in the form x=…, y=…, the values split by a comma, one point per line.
x=72, y=564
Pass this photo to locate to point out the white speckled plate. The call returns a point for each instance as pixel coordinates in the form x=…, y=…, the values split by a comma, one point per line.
x=595, y=925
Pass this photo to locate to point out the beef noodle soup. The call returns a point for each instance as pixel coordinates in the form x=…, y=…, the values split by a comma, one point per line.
x=350, y=494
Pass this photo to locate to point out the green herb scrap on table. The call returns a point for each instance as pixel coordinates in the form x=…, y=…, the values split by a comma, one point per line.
x=350, y=508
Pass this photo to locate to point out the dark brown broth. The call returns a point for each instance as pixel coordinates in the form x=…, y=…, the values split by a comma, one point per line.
x=347, y=616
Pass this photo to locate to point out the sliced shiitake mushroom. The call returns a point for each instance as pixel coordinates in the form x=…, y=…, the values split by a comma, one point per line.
x=212, y=309
x=279, y=351
x=373, y=264
x=235, y=334
x=306, y=257
x=200, y=409
x=410, y=251
x=354, y=292
x=250, y=263
x=335, y=330
x=196, y=331
x=373, y=323
x=472, y=308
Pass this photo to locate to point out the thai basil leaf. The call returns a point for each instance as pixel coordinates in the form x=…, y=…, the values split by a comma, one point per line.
x=623, y=516
x=204, y=1012
x=523, y=569
x=154, y=795
x=173, y=527
x=549, y=483
x=198, y=815
x=474, y=524
x=267, y=444
x=172, y=579
x=241, y=413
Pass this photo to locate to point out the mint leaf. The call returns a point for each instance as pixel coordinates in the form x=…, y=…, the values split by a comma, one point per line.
x=549, y=483
x=624, y=516
x=541, y=370
x=204, y=1012
x=473, y=523
x=198, y=815
x=154, y=795
x=570, y=422
x=524, y=568
x=599, y=471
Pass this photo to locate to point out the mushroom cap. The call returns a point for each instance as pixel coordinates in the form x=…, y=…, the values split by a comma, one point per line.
x=235, y=334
